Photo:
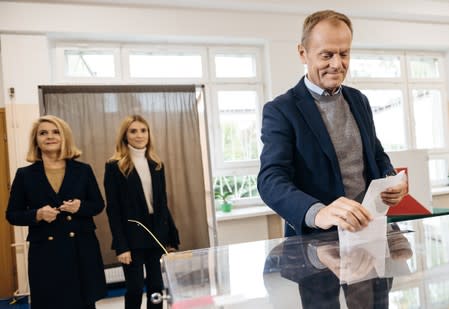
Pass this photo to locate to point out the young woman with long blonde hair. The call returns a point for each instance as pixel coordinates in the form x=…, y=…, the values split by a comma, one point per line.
x=134, y=182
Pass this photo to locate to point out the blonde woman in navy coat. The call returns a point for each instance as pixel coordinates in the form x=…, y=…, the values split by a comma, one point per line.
x=134, y=182
x=56, y=197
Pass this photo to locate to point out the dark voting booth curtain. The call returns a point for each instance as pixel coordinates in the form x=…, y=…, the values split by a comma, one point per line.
x=95, y=112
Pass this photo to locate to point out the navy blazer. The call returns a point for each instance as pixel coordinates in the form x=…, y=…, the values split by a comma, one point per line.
x=299, y=166
x=126, y=200
x=31, y=190
x=64, y=260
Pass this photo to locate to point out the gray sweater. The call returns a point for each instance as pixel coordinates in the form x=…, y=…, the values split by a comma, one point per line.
x=345, y=136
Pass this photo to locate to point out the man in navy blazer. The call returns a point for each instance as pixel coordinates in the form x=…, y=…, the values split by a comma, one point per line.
x=320, y=147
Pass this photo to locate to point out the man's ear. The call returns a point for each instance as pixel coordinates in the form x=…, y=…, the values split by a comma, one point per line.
x=302, y=53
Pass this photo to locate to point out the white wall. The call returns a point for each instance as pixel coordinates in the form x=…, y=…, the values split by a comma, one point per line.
x=279, y=32
x=25, y=65
x=26, y=30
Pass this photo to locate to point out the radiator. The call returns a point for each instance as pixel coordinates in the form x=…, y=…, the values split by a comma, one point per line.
x=114, y=274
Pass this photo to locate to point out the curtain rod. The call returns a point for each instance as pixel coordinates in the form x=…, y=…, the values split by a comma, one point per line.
x=116, y=88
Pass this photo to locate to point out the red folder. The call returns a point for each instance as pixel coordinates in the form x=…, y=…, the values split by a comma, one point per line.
x=408, y=205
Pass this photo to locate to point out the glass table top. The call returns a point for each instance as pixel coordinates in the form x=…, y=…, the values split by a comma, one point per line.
x=408, y=268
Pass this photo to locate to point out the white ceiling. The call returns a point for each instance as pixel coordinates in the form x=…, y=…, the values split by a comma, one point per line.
x=435, y=11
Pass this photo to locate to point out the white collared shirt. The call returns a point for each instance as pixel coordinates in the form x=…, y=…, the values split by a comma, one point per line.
x=318, y=90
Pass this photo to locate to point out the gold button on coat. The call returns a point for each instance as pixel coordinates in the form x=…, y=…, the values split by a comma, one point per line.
x=69, y=218
x=50, y=238
x=72, y=234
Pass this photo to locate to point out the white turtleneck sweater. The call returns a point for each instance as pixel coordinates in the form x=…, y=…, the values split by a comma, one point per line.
x=143, y=170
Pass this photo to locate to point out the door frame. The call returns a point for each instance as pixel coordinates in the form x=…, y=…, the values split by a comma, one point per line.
x=8, y=269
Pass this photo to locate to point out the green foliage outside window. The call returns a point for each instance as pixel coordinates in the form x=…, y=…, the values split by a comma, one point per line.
x=236, y=187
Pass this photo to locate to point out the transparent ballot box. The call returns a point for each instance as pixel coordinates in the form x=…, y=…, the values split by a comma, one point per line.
x=408, y=267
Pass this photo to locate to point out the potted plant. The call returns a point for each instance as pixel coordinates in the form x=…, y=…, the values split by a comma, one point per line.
x=226, y=204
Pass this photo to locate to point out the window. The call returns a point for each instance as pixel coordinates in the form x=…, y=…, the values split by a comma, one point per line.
x=241, y=186
x=87, y=64
x=422, y=67
x=375, y=66
x=407, y=96
x=438, y=168
x=388, y=106
x=237, y=90
x=165, y=65
x=428, y=112
x=238, y=124
x=233, y=96
x=235, y=66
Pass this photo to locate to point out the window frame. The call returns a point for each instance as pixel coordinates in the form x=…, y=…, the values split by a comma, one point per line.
x=407, y=84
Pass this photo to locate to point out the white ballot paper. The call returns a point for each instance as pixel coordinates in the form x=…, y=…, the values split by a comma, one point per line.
x=364, y=261
x=377, y=228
